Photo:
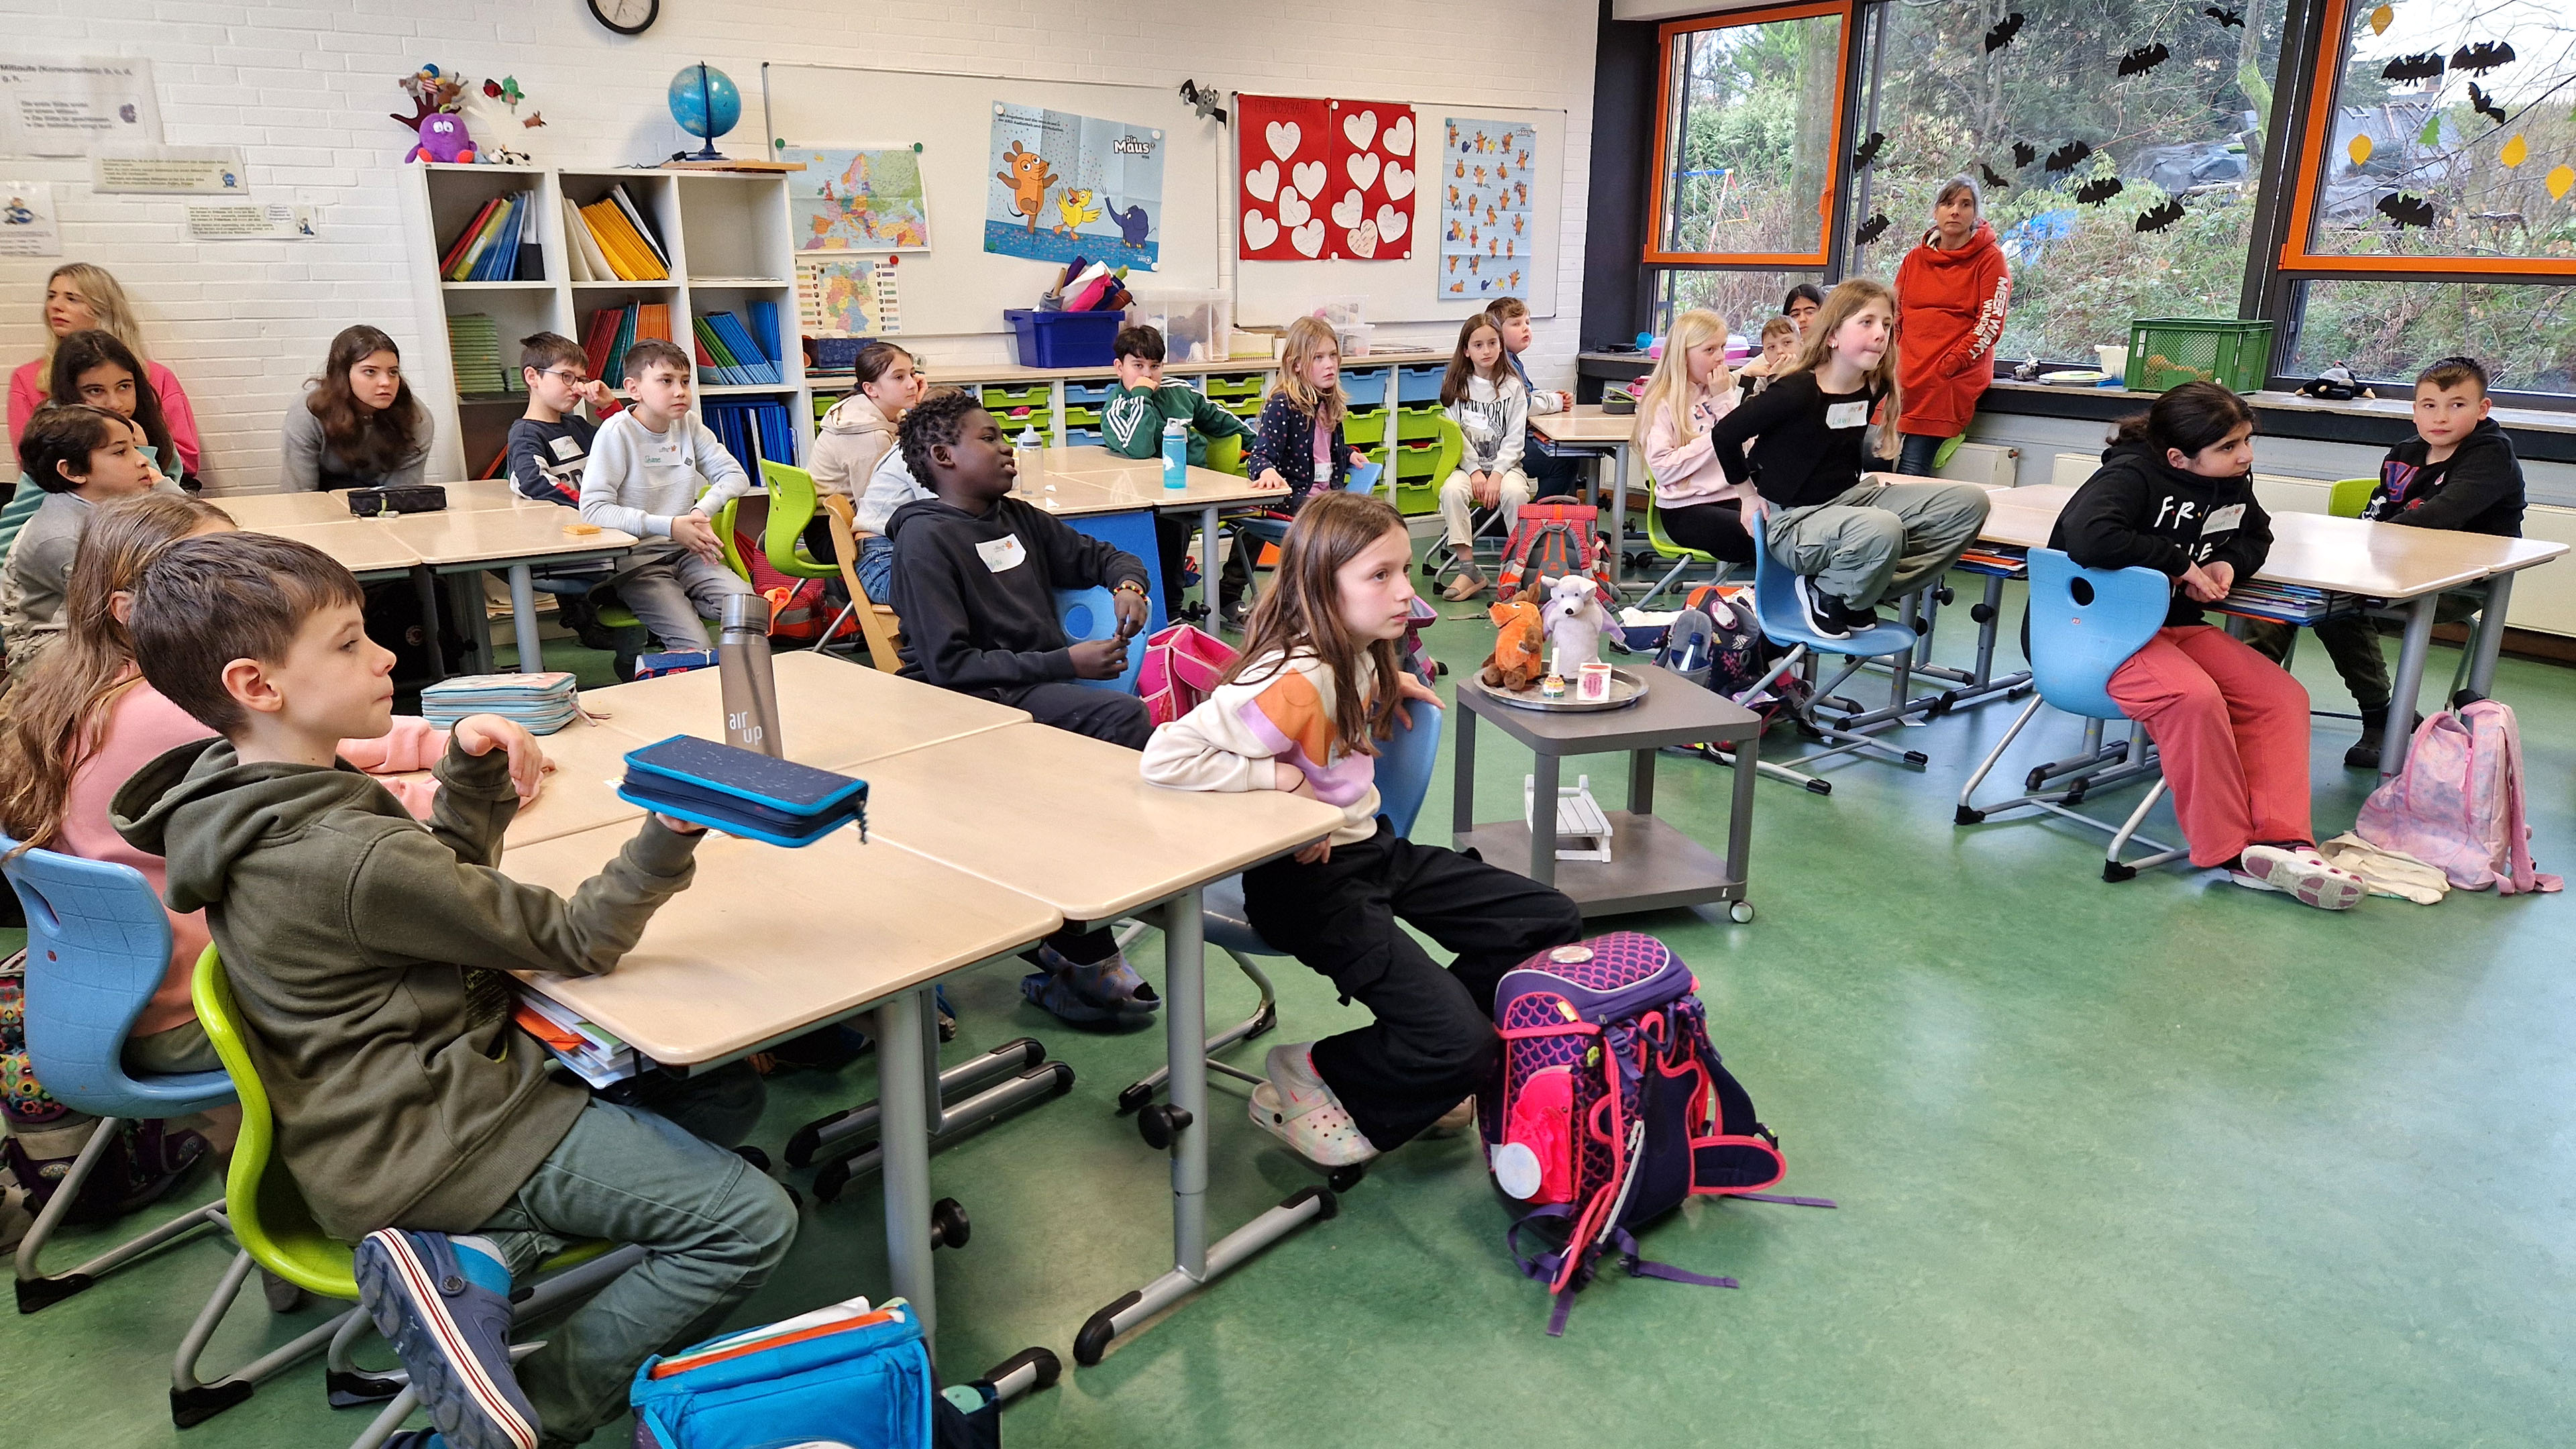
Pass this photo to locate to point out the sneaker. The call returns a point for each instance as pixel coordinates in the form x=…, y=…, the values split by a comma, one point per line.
x=1233, y=615
x=1104, y=991
x=2300, y=872
x=1821, y=612
x=2364, y=754
x=1467, y=585
x=1855, y=620
x=1296, y=1107
x=452, y=1334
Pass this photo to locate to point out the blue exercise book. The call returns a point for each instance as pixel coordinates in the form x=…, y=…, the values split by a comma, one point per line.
x=743, y=792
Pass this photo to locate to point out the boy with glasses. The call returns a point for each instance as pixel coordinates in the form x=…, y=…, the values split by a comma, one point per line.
x=551, y=441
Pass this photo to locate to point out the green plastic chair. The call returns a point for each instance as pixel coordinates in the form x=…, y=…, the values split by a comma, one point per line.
x=1225, y=454
x=791, y=507
x=1665, y=548
x=2348, y=498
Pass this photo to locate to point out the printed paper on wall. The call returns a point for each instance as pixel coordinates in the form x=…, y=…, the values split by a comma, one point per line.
x=1484, y=182
x=1063, y=186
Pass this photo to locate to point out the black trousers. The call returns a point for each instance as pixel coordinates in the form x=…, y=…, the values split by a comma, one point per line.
x=1712, y=528
x=1433, y=1043
x=1550, y=474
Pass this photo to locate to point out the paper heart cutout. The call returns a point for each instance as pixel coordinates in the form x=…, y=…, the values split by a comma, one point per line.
x=1363, y=169
x=1363, y=239
x=1399, y=138
x=1293, y=209
x=1348, y=211
x=1391, y=224
x=1263, y=180
x=1258, y=231
x=1361, y=129
x=1309, y=176
x=1309, y=239
x=1399, y=182
x=1283, y=137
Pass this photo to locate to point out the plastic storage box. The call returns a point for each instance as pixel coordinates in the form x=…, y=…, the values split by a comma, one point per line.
x=1197, y=326
x=2165, y=353
x=1064, y=339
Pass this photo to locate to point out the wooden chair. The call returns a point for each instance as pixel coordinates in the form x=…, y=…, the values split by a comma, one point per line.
x=877, y=622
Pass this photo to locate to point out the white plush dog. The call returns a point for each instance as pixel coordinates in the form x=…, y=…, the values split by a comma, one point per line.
x=1573, y=618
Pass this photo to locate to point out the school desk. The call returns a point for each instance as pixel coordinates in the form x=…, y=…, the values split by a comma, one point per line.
x=834, y=713
x=1088, y=481
x=1585, y=428
x=513, y=540
x=264, y=512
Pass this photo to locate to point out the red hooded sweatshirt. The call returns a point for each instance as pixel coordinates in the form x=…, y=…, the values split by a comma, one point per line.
x=1950, y=314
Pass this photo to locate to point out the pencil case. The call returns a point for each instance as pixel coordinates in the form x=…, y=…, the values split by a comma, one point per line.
x=397, y=498
x=743, y=792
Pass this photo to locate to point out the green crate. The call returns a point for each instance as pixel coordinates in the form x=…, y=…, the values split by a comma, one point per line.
x=1364, y=427
x=1234, y=387
x=2165, y=353
x=1416, y=499
x=1416, y=460
x=1036, y=394
x=1418, y=422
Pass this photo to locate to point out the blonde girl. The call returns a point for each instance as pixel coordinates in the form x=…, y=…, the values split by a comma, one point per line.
x=1297, y=445
x=1688, y=393
x=1490, y=404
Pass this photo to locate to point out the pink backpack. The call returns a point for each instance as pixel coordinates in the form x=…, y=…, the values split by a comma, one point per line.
x=2458, y=803
x=1181, y=668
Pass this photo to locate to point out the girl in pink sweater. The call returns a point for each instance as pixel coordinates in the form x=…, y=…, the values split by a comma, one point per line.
x=1688, y=392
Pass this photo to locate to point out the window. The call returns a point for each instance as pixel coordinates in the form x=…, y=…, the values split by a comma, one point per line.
x=1745, y=299
x=2448, y=136
x=2388, y=331
x=1750, y=124
x=2078, y=164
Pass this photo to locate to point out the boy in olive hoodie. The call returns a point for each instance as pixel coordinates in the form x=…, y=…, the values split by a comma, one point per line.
x=365, y=950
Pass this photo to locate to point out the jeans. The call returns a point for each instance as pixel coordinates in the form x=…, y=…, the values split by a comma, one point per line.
x=1914, y=460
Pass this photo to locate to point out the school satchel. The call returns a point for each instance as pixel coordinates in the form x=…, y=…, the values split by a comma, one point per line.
x=1612, y=1108
x=2458, y=804
x=1181, y=668
x=843, y=1377
x=1553, y=537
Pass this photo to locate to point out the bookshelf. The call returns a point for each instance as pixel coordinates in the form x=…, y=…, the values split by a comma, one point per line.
x=727, y=240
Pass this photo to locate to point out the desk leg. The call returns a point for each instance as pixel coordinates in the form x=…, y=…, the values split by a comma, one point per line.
x=1641, y=782
x=425, y=584
x=1619, y=519
x=1739, y=820
x=523, y=618
x=1462, y=789
x=903, y=1127
x=2400, y=730
x=1542, y=814
x=1195, y=1261
x=2490, y=637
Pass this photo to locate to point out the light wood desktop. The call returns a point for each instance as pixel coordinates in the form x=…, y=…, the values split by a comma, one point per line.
x=363, y=546
x=1586, y=427
x=266, y=512
x=580, y=793
x=835, y=714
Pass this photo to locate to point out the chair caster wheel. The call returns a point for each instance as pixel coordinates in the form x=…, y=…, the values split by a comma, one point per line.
x=948, y=1225
x=1343, y=1179
x=1945, y=595
x=1966, y=816
x=1820, y=787
x=1741, y=913
x=1160, y=1124
x=758, y=1159
x=1981, y=613
x=1134, y=1097
x=1917, y=758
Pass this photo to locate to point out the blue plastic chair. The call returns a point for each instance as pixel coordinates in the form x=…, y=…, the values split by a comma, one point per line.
x=2084, y=624
x=1403, y=778
x=1093, y=614
x=1775, y=608
x=98, y=945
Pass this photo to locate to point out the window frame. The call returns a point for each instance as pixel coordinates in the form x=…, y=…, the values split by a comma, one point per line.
x=2297, y=262
x=1828, y=230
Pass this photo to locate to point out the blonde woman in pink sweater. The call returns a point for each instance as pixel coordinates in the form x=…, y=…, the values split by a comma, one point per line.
x=1689, y=390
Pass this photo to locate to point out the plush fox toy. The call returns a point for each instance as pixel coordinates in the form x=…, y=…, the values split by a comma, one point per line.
x=1518, y=659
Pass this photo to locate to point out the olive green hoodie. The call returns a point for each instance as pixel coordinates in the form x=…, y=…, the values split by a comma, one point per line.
x=353, y=935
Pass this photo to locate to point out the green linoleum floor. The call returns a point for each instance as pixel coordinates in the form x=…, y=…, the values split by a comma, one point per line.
x=2157, y=1163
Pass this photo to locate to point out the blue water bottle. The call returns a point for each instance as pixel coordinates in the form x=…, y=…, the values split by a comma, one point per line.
x=1176, y=453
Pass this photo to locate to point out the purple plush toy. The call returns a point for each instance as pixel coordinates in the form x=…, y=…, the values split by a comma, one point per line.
x=443, y=137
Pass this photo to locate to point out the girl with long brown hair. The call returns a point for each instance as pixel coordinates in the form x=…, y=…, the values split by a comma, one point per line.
x=97, y=369
x=357, y=425
x=1302, y=710
x=1490, y=404
x=80, y=297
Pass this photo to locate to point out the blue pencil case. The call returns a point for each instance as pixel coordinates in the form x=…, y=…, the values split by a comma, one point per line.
x=743, y=792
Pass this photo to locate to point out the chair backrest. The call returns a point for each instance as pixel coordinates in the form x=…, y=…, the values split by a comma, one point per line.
x=2347, y=498
x=877, y=623
x=1452, y=450
x=791, y=507
x=98, y=946
x=264, y=1207
x=1225, y=454
x=1093, y=614
x=1404, y=765
x=2084, y=624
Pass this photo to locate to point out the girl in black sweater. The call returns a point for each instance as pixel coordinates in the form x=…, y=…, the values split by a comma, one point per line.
x=1851, y=539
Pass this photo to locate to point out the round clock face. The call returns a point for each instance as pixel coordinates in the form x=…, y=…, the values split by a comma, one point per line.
x=626, y=17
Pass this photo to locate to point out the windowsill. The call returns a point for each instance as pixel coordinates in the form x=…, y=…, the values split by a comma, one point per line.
x=2537, y=433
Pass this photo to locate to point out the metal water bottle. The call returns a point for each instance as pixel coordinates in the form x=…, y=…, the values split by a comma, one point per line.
x=742, y=665
x=1176, y=453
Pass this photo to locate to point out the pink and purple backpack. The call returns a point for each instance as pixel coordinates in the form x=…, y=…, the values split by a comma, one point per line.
x=1612, y=1109
x=1181, y=668
x=2457, y=805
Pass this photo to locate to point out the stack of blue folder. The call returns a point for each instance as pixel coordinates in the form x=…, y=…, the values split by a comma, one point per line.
x=542, y=703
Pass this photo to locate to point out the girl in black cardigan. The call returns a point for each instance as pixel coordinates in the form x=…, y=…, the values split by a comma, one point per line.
x=1297, y=446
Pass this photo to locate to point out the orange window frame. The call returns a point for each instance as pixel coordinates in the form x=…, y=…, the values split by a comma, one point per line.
x=1820, y=257
x=2295, y=256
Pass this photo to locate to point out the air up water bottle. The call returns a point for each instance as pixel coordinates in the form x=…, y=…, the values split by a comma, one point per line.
x=743, y=669
x=1176, y=453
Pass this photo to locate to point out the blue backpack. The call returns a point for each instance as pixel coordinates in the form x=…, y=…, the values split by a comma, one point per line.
x=842, y=1377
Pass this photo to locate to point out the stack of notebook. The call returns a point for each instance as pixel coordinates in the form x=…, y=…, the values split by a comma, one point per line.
x=753, y=430
x=539, y=703
x=742, y=792
x=487, y=250
x=474, y=342
x=1994, y=558
x=594, y=1056
x=729, y=352
x=611, y=241
x=611, y=330
x=2281, y=603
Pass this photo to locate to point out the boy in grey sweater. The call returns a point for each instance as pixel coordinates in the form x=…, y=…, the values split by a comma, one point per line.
x=80, y=456
x=647, y=467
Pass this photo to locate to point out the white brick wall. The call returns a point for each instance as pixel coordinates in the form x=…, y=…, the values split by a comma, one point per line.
x=305, y=90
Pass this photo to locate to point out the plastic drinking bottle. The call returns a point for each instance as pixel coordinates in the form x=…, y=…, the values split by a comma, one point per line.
x=1029, y=454
x=1176, y=453
x=742, y=666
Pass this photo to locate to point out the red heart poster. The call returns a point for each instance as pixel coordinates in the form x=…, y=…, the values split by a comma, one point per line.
x=1376, y=171
x=1326, y=179
x=1282, y=170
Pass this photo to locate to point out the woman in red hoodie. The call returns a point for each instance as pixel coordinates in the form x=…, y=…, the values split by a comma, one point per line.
x=1951, y=292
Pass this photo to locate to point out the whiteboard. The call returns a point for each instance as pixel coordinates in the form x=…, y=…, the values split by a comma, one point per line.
x=958, y=289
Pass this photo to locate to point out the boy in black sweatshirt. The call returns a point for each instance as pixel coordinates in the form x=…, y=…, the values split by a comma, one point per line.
x=975, y=576
x=2458, y=471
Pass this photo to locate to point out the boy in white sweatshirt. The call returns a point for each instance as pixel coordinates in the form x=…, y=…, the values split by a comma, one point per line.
x=646, y=469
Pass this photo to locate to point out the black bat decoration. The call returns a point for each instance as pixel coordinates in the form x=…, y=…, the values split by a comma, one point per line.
x=2413, y=67
x=1868, y=151
x=2068, y=156
x=2406, y=210
x=2484, y=104
x=2095, y=192
x=1872, y=229
x=2226, y=18
x=1993, y=182
x=2024, y=153
x=2157, y=218
x=2145, y=58
x=2482, y=57
x=2003, y=32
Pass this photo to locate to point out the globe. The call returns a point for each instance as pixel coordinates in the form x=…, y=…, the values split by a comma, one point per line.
x=705, y=108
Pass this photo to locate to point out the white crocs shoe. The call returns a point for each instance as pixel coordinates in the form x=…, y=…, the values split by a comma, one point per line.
x=2301, y=873
x=1297, y=1108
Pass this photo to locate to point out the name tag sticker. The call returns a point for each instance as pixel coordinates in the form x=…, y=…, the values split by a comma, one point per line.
x=565, y=449
x=1847, y=415
x=2224, y=520
x=1003, y=554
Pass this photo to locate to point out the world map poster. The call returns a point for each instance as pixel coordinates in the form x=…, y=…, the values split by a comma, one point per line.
x=867, y=199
